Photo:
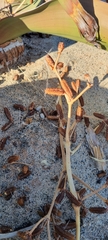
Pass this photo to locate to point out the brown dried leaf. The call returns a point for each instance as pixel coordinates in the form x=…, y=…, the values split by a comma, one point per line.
x=8, y=193
x=56, y=211
x=20, y=107
x=83, y=212
x=5, y=229
x=72, y=198
x=49, y=117
x=81, y=99
x=79, y=113
x=87, y=122
x=60, y=47
x=50, y=61
x=31, y=106
x=98, y=210
x=60, y=65
x=29, y=120
x=8, y=114
x=81, y=192
x=22, y=175
x=73, y=84
x=69, y=225
x=61, y=185
x=60, y=197
x=24, y=235
x=99, y=115
x=6, y=126
x=58, y=152
x=59, y=111
x=62, y=131
x=60, y=231
x=21, y=201
x=25, y=169
x=101, y=174
x=66, y=88
x=100, y=127
x=13, y=158
x=106, y=133
x=3, y=142
x=54, y=91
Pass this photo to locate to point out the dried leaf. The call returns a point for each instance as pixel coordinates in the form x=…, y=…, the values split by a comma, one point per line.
x=25, y=169
x=16, y=77
x=81, y=192
x=50, y=61
x=23, y=235
x=60, y=47
x=13, y=158
x=101, y=174
x=69, y=225
x=75, y=85
x=60, y=65
x=31, y=106
x=60, y=197
x=98, y=210
x=100, y=127
x=59, y=111
x=56, y=211
x=21, y=201
x=5, y=229
x=79, y=113
x=106, y=133
x=83, y=212
x=54, y=91
x=49, y=117
x=72, y=198
x=58, y=152
x=87, y=122
x=81, y=99
x=66, y=88
x=20, y=107
x=3, y=142
x=37, y=231
x=28, y=120
x=99, y=115
x=8, y=114
x=61, y=185
x=22, y=175
x=60, y=231
x=8, y=193
x=6, y=126
x=62, y=131
x=65, y=70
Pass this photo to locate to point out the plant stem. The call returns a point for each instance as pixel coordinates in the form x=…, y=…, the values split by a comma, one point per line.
x=77, y=211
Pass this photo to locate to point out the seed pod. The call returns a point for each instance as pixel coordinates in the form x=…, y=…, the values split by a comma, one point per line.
x=106, y=133
x=72, y=198
x=87, y=77
x=66, y=88
x=59, y=110
x=54, y=91
x=13, y=158
x=73, y=135
x=101, y=174
x=60, y=197
x=79, y=114
x=25, y=169
x=21, y=201
x=81, y=99
x=31, y=106
x=60, y=47
x=49, y=117
x=16, y=77
x=60, y=231
x=98, y=210
x=100, y=127
x=70, y=224
x=65, y=70
x=61, y=185
x=56, y=211
x=6, y=126
x=81, y=192
x=3, y=142
x=86, y=120
x=99, y=115
x=19, y=107
x=75, y=85
x=8, y=193
x=60, y=65
x=43, y=110
x=8, y=114
x=23, y=175
x=58, y=152
x=50, y=61
x=62, y=131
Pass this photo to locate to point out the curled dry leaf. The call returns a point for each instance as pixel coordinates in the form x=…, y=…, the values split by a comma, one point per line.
x=21, y=201
x=6, y=126
x=106, y=133
x=59, y=111
x=66, y=88
x=100, y=127
x=24, y=173
x=50, y=61
x=60, y=231
x=13, y=158
x=3, y=142
x=62, y=131
x=54, y=91
x=98, y=210
x=8, y=114
x=8, y=193
x=5, y=229
x=19, y=107
x=60, y=47
x=99, y=115
x=58, y=151
x=72, y=198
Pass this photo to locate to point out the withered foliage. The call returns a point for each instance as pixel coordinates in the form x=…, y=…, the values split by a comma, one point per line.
x=21, y=201
x=59, y=111
x=8, y=114
x=63, y=233
x=98, y=210
x=72, y=198
x=54, y=91
x=50, y=61
x=100, y=127
x=60, y=197
x=3, y=142
x=66, y=88
x=6, y=126
x=13, y=158
x=19, y=107
x=24, y=173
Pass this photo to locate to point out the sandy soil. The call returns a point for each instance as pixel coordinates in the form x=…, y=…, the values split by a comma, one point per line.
x=36, y=142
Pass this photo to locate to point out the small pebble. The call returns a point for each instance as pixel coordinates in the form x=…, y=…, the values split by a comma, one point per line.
x=42, y=116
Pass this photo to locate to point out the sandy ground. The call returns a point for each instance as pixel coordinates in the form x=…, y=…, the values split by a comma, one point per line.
x=36, y=142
